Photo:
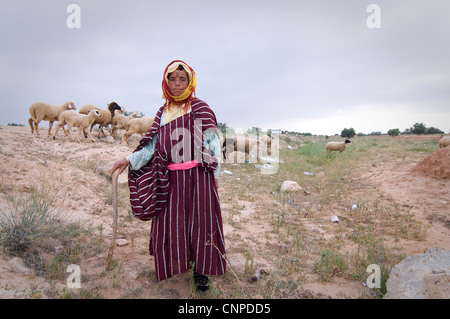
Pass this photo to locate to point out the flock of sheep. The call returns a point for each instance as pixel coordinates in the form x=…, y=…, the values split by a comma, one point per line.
x=248, y=145
x=90, y=115
x=87, y=117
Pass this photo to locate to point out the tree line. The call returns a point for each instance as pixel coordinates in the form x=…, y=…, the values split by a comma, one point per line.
x=418, y=129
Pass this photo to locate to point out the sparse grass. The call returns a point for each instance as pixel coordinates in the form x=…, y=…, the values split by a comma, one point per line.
x=313, y=153
x=299, y=222
x=31, y=217
x=331, y=264
x=289, y=235
x=36, y=227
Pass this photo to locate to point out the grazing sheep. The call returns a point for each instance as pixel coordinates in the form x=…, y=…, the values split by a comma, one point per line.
x=246, y=144
x=337, y=146
x=137, y=125
x=41, y=111
x=121, y=121
x=444, y=141
x=107, y=116
x=82, y=121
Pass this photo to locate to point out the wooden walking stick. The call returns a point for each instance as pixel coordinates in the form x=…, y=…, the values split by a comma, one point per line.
x=114, y=177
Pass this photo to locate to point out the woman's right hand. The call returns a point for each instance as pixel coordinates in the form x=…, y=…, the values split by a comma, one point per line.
x=122, y=164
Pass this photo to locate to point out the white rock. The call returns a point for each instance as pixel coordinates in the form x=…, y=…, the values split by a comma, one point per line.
x=334, y=219
x=355, y=206
x=424, y=276
x=17, y=265
x=121, y=242
x=290, y=186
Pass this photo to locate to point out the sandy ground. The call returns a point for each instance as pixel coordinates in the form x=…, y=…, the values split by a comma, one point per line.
x=426, y=198
x=79, y=170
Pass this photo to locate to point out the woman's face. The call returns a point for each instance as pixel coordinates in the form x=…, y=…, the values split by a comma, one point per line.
x=178, y=82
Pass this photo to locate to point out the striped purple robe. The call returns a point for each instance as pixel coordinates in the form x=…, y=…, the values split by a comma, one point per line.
x=184, y=204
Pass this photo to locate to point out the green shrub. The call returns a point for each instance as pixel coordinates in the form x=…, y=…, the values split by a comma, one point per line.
x=315, y=154
x=33, y=217
x=330, y=265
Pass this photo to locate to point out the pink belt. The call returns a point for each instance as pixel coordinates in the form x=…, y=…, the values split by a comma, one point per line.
x=183, y=166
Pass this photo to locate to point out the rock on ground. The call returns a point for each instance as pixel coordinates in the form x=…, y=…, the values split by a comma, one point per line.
x=290, y=186
x=425, y=276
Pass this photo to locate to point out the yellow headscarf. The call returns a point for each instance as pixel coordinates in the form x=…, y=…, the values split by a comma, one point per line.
x=189, y=93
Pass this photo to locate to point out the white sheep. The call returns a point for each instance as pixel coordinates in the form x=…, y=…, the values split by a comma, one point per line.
x=247, y=144
x=82, y=121
x=107, y=116
x=444, y=141
x=137, y=126
x=244, y=144
x=120, y=121
x=41, y=111
x=337, y=146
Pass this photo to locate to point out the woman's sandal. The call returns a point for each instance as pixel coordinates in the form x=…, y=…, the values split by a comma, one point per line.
x=201, y=281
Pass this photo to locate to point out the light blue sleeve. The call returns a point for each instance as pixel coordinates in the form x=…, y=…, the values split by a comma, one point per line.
x=141, y=157
x=212, y=143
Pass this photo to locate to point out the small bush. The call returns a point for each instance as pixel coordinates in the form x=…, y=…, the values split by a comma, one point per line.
x=32, y=218
x=331, y=265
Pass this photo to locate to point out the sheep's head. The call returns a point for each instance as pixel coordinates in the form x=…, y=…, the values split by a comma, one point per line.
x=96, y=113
x=135, y=114
x=347, y=141
x=113, y=106
x=71, y=106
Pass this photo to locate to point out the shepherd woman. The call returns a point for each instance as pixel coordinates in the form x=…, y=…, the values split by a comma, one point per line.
x=172, y=179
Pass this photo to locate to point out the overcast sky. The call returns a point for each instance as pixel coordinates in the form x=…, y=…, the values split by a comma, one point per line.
x=301, y=65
